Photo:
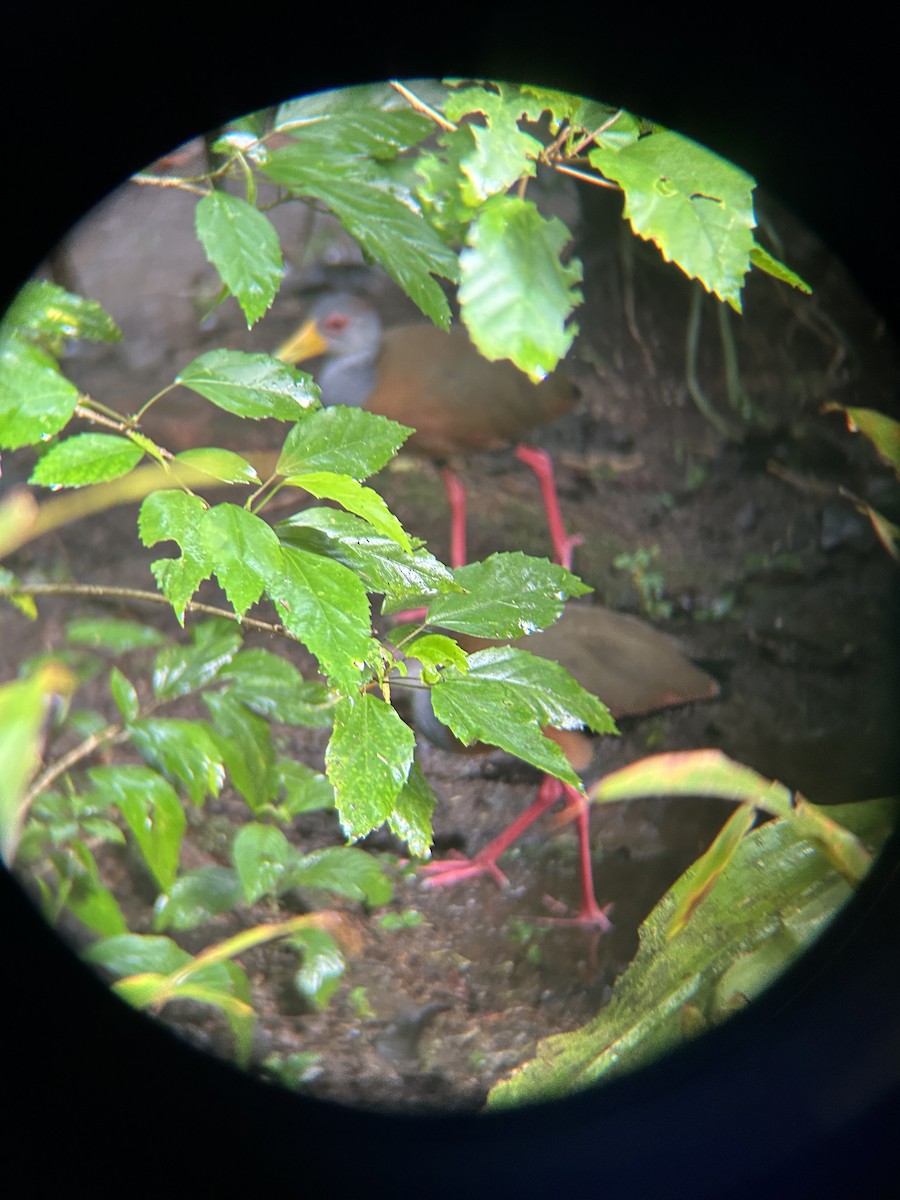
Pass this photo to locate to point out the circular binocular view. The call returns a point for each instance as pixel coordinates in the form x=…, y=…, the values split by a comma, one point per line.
x=446, y=530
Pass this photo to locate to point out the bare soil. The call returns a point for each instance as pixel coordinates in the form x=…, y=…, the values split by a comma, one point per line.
x=776, y=585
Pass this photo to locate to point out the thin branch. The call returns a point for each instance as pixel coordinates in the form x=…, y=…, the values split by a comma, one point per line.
x=597, y=180
x=422, y=107
x=102, y=592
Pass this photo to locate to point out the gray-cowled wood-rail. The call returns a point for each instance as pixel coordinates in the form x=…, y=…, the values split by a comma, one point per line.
x=633, y=667
x=456, y=400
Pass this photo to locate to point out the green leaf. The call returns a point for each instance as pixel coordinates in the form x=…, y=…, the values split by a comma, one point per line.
x=196, y=897
x=381, y=564
x=243, y=246
x=23, y=706
x=368, y=760
x=263, y=859
x=245, y=744
x=435, y=650
x=86, y=458
x=35, y=400
x=344, y=870
x=507, y=596
x=766, y=262
x=224, y=465
x=179, y=670
x=177, y=516
x=386, y=229
x=152, y=812
x=185, y=752
x=739, y=939
x=250, y=385
x=245, y=551
x=516, y=294
x=710, y=865
x=97, y=908
x=503, y=153
x=344, y=440
x=881, y=430
x=346, y=121
x=110, y=633
x=696, y=207
x=124, y=695
x=504, y=699
x=323, y=604
x=304, y=790
x=273, y=687
x=45, y=309
x=323, y=965
x=410, y=819
x=363, y=501
x=131, y=953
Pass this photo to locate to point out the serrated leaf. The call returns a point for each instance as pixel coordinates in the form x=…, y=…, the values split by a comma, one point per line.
x=224, y=465
x=507, y=596
x=86, y=458
x=110, y=633
x=243, y=246
x=368, y=761
x=263, y=858
x=176, y=516
x=366, y=503
x=46, y=309
x=381, y=564
x=504, y=700
x=344, y=870
x=36, y=401
x=436, y=650
x=152, y=812
x=410, y=819
x=349, y=441
x=250, y=385
x=245, y=744
x=179, y=670
x=245, y=551
x=273, y=687
x=515, y=292
x=197, y=896
x=184, y=751
x=324, y=605
x=503, y=153
x=799, y=896
x=695, y=206
x=124, y=695
x=387, y=230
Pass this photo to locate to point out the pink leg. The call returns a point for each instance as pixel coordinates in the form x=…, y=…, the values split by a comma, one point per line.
x=539, y=462
x=452, y=871
x=456, y=495
x=485, y=861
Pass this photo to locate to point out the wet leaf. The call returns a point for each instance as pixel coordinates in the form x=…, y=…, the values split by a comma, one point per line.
x=250, y=385
x=343, y=440
x=244, y=741
x=179, y=670
x=36, y=401
x=507, y=596
x=197, y=896
x=273, y=687
x=245, y=551
x=124, y=695
x=224, y=465
x=263, y=859
x=363, y=501
x=368, y=761
x=243, y=245
x=86, y=458
x=152, y=812
x=344, y=870
x=185, y=752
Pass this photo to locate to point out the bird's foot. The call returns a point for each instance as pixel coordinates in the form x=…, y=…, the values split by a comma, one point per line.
x=589, y=916
x=454, y=870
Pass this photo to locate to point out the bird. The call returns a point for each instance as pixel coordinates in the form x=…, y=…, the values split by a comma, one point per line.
x=456, y=400
x=633, y=667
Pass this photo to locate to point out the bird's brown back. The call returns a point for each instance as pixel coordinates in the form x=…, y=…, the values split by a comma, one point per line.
x=454, y=398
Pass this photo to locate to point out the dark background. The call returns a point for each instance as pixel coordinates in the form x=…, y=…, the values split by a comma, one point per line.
x=797, y=1097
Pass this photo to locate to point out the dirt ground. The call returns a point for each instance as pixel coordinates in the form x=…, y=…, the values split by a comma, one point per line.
x=776, y=585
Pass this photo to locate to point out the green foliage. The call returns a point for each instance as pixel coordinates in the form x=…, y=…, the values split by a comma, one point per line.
x=432, y=185
x=740, y=938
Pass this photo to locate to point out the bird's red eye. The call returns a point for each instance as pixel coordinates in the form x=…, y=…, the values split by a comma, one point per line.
x=335, y=324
